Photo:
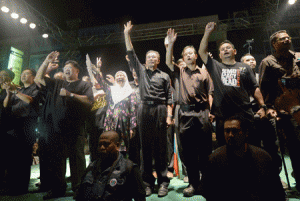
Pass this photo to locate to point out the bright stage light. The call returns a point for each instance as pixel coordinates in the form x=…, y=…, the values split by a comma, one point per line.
x=23, y=20
x=32, y=25
x=5, y=9
x=291, y=2
x=14, y=15
x=45, y=35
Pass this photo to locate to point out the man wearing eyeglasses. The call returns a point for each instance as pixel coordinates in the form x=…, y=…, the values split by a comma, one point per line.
x=282, y=64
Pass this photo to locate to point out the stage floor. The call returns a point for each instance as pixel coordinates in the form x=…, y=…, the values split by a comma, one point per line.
x=175, y=188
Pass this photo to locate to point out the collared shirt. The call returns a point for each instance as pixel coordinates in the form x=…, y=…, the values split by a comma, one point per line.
x=274, y=67
x=195, y=86
x=154, y=85
x=20, y=108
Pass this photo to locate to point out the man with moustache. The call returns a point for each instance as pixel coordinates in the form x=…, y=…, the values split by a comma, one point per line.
x=240, y=171
x=111, y=176
x=283, y=65
x=64, y=115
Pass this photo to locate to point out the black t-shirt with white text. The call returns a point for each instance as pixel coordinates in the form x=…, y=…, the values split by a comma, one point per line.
x=233, y=86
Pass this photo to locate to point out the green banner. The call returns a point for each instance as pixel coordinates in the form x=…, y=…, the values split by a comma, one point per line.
x=15, y=63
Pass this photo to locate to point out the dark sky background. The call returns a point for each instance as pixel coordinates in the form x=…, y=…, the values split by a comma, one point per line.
x=98, y=12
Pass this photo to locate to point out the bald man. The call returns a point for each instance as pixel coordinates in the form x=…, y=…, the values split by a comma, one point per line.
x=120, y=178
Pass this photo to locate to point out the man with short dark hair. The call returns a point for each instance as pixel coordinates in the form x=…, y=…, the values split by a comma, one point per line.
x=65, y=111
x=195, y=96
x=22, y=109
x=240, y=171
x=154, y=114
x=234, y=83
x=283, y=65
x=111, y=176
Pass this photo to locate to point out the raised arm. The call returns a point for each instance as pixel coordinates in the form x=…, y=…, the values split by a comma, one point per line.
x=203, y=49
x=40, y=75
x=171, y=38
x=127, y=31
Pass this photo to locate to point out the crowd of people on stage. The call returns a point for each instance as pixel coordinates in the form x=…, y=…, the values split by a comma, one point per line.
x=131, y=125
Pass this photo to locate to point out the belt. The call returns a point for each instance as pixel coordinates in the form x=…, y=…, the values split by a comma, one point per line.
x=154, y=102
x=195, y=107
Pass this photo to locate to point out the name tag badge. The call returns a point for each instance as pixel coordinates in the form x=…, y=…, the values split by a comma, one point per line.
x=113, y=182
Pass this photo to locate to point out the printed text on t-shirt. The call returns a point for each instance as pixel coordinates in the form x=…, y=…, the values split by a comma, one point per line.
x=231, y=77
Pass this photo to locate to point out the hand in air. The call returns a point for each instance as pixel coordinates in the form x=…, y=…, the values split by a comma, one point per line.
x=171, y=36
x=128, y=27
x=110, y=79
x=210, y=27
x=52, y=56
x=99, y=62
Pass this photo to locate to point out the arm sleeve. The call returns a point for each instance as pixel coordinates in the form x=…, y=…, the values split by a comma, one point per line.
x=135, y=63
x=268, y=83
x=210, y=85
x=251, y=80
x=168, y=90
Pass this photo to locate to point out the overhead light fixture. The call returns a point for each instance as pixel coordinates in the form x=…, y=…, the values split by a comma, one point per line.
x=291, y=2
x=14, y=15
x=5, y=9
x=45, y=35
x=23, y=20
x=32, y=25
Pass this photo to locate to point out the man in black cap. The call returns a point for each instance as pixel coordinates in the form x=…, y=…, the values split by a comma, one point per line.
x=64, y=112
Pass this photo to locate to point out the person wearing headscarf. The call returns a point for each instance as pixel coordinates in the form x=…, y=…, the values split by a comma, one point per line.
x=122, y=109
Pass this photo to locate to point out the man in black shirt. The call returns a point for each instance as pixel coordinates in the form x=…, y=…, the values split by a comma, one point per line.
x=240, y=171
x=5, y=76
x=64, y=113
x=234, y=82
x=156, y=104
x=111, y=176
x=22, y=109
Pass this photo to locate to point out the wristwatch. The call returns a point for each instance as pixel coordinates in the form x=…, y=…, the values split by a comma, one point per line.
x=71, y=95
x=264, y=106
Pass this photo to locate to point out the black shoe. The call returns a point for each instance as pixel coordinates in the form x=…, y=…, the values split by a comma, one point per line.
x=148, y=190
x=162, y=191
x=189, y=191
x=54, y=194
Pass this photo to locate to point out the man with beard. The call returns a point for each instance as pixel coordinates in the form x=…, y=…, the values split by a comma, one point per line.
x=240, y=171
x=64, y=113
x=283, y=66
x=111, y=176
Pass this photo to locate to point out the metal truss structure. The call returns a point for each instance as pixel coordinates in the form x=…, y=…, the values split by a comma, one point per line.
x=267, y=17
